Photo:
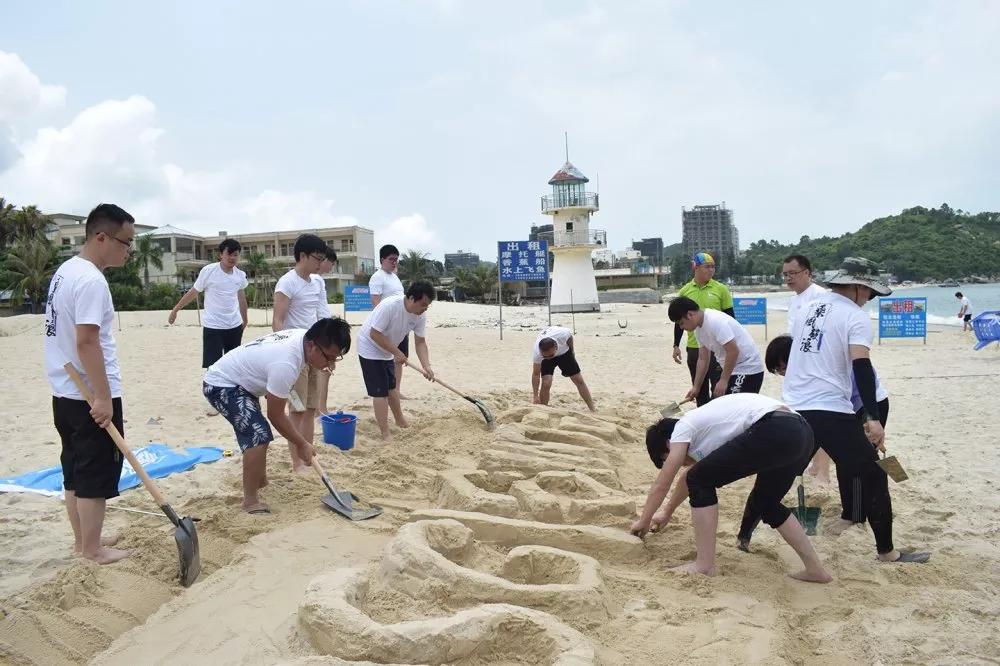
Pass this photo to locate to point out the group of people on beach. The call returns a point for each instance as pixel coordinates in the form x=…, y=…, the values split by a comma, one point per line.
x=832, y=400
x=833, y=406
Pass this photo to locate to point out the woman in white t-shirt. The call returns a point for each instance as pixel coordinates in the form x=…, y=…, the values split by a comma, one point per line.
x=728, y=439
x=384, y=283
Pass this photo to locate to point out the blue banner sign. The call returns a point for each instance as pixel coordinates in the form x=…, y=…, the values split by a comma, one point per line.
x=356, y=299
x=902, y=318
x=523, y=261
x=750, y=310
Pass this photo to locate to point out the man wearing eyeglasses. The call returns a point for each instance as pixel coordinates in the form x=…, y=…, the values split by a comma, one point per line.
x=270, y=366
x=796, y=271
x=296, y=301
x=79, y=319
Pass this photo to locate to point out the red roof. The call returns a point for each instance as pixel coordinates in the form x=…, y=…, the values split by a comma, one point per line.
x=568, y=173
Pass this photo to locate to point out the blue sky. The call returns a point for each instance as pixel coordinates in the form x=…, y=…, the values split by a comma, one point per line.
x=438, y=123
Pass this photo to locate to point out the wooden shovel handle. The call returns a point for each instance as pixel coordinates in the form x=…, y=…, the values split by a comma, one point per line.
x=436, y=380
x=117, y=437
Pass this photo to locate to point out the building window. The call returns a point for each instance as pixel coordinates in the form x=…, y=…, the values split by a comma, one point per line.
x=270, y=250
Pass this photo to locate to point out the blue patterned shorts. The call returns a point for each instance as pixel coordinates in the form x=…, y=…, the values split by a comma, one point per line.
x=242, y=409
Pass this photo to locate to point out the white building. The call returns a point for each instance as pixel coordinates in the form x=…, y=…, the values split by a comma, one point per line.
x=574, y=288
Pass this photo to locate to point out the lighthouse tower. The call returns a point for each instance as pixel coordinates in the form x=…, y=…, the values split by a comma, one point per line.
x=574, y=288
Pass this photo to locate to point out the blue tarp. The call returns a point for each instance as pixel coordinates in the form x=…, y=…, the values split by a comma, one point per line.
x=158, y=460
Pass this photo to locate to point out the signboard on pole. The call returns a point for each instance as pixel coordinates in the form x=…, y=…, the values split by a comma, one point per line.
x=523, y=261
x=902, y=318
x=751, y=311
x=356, y=299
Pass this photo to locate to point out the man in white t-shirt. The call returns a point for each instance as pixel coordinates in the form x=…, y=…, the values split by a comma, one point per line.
x=79, y=319
x=378, y=349
x=297, y=299
x=797, y=273
x=269, y=366
x=965, y=311
x=385, y=283
x=323, y=311
x=554, y=349
x=730, y=438
x=225, y=314
x=830, y=343
x=727, y=340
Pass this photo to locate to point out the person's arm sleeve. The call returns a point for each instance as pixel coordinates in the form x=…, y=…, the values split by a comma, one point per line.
x=723, y=334
x=420, y=330
x=244, y=283
x=731, y=312
x=859, y=331
x=864, y=375
x=281, y=379
x=202, y=279
x=92, y=298
x=375, y=286
x=678, y=334
x=281, y=287
x=727, y=302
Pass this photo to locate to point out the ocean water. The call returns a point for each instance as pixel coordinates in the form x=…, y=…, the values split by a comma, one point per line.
x=942, y=306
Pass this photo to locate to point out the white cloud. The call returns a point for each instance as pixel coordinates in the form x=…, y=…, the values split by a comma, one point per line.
x=410, y=232
x=21, y=93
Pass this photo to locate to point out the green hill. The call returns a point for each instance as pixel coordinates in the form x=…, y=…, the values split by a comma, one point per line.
x=919, y=243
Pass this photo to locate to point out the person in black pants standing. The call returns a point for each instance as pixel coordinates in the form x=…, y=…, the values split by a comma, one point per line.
x=730, y=438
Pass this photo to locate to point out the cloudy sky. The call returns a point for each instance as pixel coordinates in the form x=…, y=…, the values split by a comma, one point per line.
x=439, y=123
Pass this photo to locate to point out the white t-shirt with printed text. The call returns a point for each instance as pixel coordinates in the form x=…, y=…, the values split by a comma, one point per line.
x=384, y=284
x=717, y=329
x=304, y=297
x=222, y=303
x=713, y=424
x=820, y=375
x=269, y=364
x=798, y=303
x=561, y=336
x=78, y=294
x=391, y=319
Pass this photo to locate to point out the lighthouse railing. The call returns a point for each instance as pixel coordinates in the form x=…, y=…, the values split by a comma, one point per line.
x=570, y=200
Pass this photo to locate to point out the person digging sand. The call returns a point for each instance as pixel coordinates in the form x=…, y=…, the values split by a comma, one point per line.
x=554, y=349
x=728, y=439
x=269, y=366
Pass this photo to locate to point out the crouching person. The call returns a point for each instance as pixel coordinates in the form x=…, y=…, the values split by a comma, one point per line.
x=269, y=366
x=730, y=438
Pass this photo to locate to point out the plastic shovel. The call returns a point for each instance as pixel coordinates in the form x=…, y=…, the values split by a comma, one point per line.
x=185, y=533
x=808, y=516
x=345, y=502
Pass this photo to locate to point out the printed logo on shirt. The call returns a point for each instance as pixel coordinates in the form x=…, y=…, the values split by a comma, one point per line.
x=51, y=315
x=812, y=332
x=270, y=337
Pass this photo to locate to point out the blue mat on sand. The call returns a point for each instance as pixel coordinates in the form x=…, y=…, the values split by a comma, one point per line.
x=158, y=460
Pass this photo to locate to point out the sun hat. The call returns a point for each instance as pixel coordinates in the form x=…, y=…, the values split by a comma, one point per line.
x=858, y=270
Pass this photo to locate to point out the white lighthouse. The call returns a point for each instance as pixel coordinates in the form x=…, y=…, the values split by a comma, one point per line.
x=574, y=288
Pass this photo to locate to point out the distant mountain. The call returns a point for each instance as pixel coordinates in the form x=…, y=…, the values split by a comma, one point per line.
x=919, y=243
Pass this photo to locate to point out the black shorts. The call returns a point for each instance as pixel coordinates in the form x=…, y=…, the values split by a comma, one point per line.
x=565, y=362
x=404, y=346
x=91, y=463
x=967, y=317
x=380, y=376
x=745, y=383
x=217, y=341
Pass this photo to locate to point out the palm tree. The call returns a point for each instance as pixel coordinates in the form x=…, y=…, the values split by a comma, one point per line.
x=29, y=267
x=258, y=268
x=147, y=252
x=413, y=266
x=29, y=222
x=479, y=283
x=7, y=232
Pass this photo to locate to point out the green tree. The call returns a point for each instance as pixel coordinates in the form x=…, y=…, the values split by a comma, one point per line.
x=147, y=252
x=479, y=283
x=28, y=268
x=29, y=223
x=259, y=269
x=7, y=231
x=415, y=266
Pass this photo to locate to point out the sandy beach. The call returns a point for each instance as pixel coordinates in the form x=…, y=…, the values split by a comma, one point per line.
x=269, y=583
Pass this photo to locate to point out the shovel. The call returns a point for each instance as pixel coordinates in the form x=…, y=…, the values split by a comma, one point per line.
x=480, y=405
x=808, y=516
x=890, y=465
x=673, y=408
x=344, y=502
x=185, y=533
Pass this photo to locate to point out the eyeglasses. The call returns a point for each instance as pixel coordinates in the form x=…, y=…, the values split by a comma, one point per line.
x=318, y=257
x=129, y=243
x=329, y=361
x=391, y=260
x=788, y=274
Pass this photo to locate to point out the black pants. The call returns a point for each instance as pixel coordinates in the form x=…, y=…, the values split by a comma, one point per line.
x=745, y=383
x=774, y=448
x=714, y=373
x=215, y=342
x=864, y=487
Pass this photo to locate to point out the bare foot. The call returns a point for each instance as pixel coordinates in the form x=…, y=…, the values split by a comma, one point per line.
x=106, y=555
x=837, y=527
x=808, y=576
x=694, y=568
x=743, y=544
x=255, y=508
x=402, y=423
x=107, y=540
x=387, y=436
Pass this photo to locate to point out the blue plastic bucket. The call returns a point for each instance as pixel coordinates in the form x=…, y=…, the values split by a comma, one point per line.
x=338, y=429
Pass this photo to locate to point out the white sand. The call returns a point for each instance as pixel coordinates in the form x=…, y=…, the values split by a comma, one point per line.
x=943, y=423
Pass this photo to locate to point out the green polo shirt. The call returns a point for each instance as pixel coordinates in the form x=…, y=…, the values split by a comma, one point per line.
x=713, y=296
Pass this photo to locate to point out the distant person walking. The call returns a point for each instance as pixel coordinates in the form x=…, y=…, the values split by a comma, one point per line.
x=384, y=283
x=965, y=312
x=225, y=314
x=708, y=294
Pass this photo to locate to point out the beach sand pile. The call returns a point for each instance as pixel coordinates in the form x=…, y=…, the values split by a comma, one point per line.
x=497, y=547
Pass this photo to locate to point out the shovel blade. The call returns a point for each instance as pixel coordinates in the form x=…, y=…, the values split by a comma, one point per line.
x=809, y=518
x=186, y=537
x=891, y=466
x=670, y=410
x=349, y=506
